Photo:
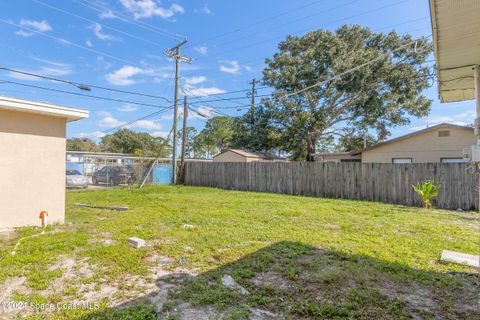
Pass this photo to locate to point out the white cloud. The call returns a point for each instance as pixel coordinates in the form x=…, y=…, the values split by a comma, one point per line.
x=128, y=108
x=107, y=14
x=110, y=122
x=63, y=41
x=232, y=67
x=123, y=75
x=195, y=80
x=95, y=134
x=103, y=113
x=51, y=62
x=203, y=112
x=154, y=56
x=97, y=30
x=89, y=43
x=202, y=91
x=23, y=33
x=149, y=8
x=35, y=26
x=57, y=69
x=461, y=119
x=205, y=10
x=145, y=124
x=202, y=50
x=163, y=134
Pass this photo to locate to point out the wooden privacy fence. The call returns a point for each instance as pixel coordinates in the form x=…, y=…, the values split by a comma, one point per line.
x=391, y=183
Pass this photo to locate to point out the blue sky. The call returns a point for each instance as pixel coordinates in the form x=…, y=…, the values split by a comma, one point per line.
x=120, y=44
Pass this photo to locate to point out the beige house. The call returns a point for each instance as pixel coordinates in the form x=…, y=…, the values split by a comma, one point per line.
x=237, y=155
x=32, y=161
x=441, y=143
x=338, y=157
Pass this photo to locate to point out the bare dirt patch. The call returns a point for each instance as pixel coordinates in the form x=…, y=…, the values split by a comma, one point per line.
x=104, y=238
x=271, y=279
x=7, y=235
x=7, y=289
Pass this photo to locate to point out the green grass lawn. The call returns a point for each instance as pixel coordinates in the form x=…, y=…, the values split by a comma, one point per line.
x=298, y=257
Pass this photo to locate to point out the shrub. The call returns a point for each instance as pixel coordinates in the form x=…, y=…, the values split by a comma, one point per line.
x=427, y=191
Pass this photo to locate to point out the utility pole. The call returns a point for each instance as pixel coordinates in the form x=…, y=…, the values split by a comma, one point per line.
x=184, y=139
x=252, y=96
x=175, y=54
x=254, y=92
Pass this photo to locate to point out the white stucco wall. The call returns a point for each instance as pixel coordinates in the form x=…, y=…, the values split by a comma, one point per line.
x=32, y=168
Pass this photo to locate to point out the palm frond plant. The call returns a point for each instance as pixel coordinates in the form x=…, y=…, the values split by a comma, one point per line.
x=427, y=191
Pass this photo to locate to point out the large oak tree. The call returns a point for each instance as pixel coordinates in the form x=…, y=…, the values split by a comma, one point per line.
x=373, y=98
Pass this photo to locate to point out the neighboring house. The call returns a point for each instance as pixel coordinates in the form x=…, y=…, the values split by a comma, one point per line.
x=32, y=159
x=441, y=143
x=338, y=157
x=236, y=155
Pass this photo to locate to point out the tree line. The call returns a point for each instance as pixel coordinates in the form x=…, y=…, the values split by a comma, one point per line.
x=330, y=91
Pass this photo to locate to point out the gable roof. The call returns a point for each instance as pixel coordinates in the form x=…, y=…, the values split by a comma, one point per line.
x=432, y=128
x=9, y=103
x=252, y=154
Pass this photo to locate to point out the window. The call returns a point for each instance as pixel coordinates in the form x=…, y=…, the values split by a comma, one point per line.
x=401, y=160
x=444, y=133
x=453, y=160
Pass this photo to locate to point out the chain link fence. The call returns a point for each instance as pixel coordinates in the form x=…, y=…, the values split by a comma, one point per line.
x=97, y=170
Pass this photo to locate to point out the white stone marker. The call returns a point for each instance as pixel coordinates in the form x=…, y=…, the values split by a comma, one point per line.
x=461, y=258
x=136, y=242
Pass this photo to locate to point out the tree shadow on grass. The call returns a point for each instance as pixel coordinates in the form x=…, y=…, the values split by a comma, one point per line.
x=297, y=281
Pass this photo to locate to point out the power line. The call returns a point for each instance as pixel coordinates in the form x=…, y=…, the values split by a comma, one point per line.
x=290, y=22
x=61, y=40
x=148, y=116
x=377, y=30
x=322, y=25
x=92, y=21
x=82, y=86
x=205, y=103
x=256, y=23
x=81, y=94
x=338, y=75
x=230, y=92
x=129, y=20
x=227, y=99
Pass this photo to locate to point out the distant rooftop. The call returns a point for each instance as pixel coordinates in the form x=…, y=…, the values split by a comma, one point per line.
x=253, y=154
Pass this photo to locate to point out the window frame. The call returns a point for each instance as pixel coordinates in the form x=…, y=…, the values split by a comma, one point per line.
x=453, y=158
x=443, y=136
x=393, y=160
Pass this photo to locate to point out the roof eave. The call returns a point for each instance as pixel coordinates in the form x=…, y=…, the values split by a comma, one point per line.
x=21, y=105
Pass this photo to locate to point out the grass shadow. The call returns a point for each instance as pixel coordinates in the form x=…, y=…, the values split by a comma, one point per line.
x=296, y=281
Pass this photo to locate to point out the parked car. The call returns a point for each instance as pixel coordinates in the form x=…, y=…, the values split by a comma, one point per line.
x=113, y=175
x=74, y=179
